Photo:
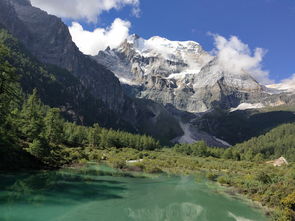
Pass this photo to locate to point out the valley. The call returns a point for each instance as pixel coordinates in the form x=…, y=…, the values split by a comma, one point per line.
x=163, y=129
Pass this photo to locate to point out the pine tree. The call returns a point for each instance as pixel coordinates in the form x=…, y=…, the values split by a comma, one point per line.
x=39, y=148
x=9, y=86
x=53, y=126
x=32, y=115
x=93, y=135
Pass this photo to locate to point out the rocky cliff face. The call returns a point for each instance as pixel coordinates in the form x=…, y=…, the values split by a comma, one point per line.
x=48, y=39
x=181, y=74
x=93, y=88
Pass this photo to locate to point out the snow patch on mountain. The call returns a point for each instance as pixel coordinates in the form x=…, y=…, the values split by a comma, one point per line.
x=222, y=141
x=246, y=106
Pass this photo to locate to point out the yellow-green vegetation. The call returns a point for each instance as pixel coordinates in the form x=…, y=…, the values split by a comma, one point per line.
x=273, y=187
x=289, y=203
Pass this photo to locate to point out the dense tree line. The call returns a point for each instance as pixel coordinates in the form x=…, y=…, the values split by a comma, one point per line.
x=198, y=149
x=280, y=141
x=43, y=127
x=26, y=123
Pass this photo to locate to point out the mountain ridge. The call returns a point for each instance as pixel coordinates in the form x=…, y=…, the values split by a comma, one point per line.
x=181, y=73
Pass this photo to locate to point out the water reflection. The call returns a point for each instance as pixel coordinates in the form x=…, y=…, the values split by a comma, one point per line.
x=174, y=212
x=70, y=187
x=238, y=218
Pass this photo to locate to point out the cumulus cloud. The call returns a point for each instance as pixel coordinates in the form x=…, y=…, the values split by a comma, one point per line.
x=84, y=9
x=287, y=84
x=236, y=57
x=90, y=42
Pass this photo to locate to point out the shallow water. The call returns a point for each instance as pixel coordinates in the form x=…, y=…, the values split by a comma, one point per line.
x=94, y=194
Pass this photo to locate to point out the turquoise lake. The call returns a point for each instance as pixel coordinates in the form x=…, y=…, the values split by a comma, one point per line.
x=100, y=194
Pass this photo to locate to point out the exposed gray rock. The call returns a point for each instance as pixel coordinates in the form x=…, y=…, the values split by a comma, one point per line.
x=48, y=39
x=185, y=76
x=181, y=74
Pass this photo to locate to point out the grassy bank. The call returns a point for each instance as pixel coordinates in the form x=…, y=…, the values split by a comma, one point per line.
x=271, y=186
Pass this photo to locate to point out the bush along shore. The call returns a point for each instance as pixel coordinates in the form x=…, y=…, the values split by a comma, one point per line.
x=273, y=187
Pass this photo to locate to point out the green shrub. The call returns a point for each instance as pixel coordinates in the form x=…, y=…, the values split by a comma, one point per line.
x=224, y=180
x=212, y=176
x=39, y=148
x=117, y=163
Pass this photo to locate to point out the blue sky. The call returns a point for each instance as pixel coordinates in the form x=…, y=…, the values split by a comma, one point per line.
x=268, y=24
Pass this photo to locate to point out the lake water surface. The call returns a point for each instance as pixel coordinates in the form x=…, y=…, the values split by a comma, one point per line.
x=98, y=194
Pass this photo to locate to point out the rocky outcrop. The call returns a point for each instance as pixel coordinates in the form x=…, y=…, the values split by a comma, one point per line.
x=278, y=162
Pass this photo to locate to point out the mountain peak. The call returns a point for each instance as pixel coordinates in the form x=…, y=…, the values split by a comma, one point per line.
x=160, y=47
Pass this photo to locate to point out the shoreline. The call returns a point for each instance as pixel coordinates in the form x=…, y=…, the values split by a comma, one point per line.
x=226, y=190
x=128, y=170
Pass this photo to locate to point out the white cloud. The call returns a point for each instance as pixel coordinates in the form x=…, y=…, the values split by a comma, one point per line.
x=91, y=42
x=236, y=57
x=84, y=9
x=287, y=84
x=289, y=81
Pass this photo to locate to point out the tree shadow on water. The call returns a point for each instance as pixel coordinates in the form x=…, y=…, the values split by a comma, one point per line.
x=57, y=188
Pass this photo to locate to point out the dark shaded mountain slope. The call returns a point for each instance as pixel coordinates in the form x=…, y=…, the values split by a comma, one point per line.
x=87, y=92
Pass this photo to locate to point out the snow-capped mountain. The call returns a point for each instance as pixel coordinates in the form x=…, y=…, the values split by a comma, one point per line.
x=187, y=80
x=137, y=58
x=180, y=73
